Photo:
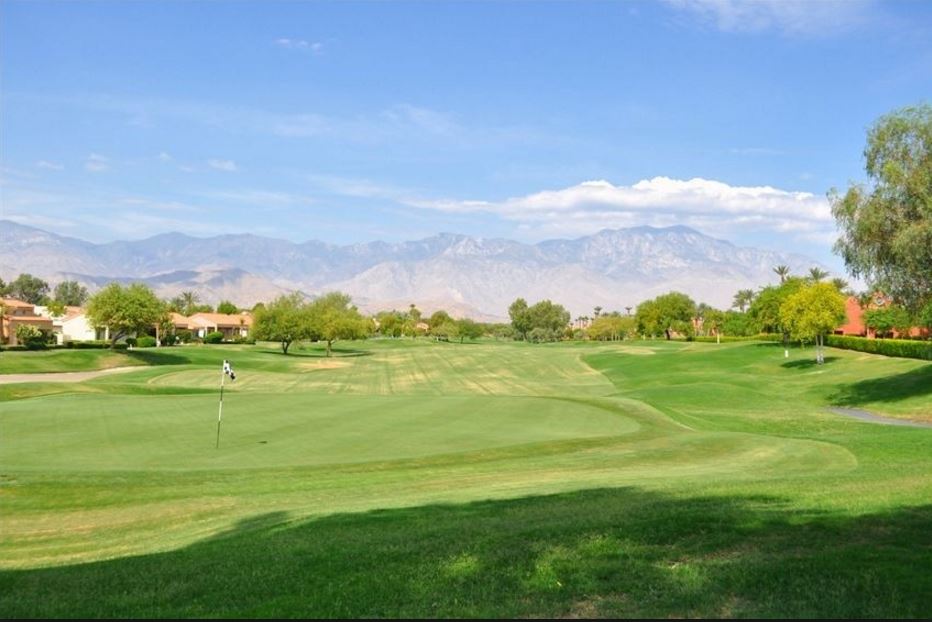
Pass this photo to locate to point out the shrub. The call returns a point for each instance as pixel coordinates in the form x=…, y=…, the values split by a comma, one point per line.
x=246, y=340
x=90, y=345
x=169, y=339
x=184, y=336
x=888, y=347
x=131, y=341
x=145, y=342
x=214, y=337
x=31, y=337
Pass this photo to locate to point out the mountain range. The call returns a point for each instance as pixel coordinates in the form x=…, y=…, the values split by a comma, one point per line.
x=467, y=276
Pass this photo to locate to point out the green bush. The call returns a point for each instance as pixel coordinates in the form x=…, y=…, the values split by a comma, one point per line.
x=214, y=337
x=246, y=340
x=131, y=341
x=903, y=348
x=184, y=336
x=31, y=337
x=145, y=342
x=89, y=345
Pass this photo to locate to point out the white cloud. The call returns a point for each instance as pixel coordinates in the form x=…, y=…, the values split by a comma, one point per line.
x=222, y=165
x=164, y=157
x=792, y=17
x=314, y=47
x=706, y=204
x=96, y=163
x=52, y=166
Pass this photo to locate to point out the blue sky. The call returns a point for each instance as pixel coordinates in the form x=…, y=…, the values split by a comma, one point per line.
x=356, y=121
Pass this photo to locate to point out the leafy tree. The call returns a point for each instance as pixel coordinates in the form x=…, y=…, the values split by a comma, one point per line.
x=70, y=293
x=520, y=318
x=883, y=321
x=665, y=314
x=925, y=316
x=886, y=227
x=445, y=331
x=438, y=318
x=332, y=317
x=227, y=307
x=391, y=323
x=549, y=316
x=3, y=288
x=125, y=310
x=29, y=289
x=812, y=312
x=284, y=320
x=468, y=329
x=765, y=310
x=738, y=324
x=611, y=327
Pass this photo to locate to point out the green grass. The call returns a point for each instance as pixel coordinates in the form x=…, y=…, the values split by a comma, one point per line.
x=415, y=479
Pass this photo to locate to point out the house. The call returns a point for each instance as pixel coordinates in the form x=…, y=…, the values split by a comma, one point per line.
x=15, y=313
x=72, y=325
x=231, y=325
x=854, y=318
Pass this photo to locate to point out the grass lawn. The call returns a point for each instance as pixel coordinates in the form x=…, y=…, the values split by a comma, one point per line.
x=401, y=478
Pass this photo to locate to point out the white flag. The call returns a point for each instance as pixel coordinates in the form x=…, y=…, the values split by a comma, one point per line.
x=228, y=370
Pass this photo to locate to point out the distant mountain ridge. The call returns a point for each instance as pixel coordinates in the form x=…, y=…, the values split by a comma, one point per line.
x=480, y=277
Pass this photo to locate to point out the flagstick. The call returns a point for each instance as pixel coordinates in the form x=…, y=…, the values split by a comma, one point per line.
x=220, y=412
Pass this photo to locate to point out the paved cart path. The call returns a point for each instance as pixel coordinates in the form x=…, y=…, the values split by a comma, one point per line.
x=863, y=415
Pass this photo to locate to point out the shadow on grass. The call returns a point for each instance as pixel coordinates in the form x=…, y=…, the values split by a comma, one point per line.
x=913, y=383
x=596, y=553
x=318, y=353
x=158, y=357
x=807, y=363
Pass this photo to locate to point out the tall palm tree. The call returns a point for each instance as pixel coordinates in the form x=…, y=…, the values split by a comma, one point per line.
x=189, y=300
x=817, y=274
x=783, y=272
x=743, y=298
x=628, y=309
x=597, y=311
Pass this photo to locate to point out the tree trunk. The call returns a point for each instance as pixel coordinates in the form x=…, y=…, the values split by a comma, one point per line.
x=285, y=345
x=329, y=341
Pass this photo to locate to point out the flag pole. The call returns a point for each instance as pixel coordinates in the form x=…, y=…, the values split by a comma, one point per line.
x=220, y=411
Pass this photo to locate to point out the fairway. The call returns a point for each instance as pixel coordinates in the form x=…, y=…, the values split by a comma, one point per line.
x=118, y=477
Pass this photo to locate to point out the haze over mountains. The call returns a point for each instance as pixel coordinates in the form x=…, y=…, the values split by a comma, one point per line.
x=614, y=269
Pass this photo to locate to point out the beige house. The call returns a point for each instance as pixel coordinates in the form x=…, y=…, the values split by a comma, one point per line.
x=72, y=325
x=15, y=313
x=231, y=325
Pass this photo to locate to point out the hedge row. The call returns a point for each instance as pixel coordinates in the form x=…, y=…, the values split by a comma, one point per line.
x=888, y=347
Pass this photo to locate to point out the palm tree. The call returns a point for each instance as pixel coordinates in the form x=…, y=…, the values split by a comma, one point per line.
x=841, y=285
x=628, y=309
x=743, y=298
x=189, y=300
x=817, y=274
x=597, y=311
x=783, y=272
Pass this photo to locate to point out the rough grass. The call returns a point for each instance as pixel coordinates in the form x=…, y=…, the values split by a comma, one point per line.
x=494, y=480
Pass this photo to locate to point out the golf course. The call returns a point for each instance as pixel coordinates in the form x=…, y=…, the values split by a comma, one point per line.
x=413, y=478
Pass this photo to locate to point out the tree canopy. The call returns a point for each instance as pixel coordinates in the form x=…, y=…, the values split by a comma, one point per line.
x=544, y=321
x=284, y=320
x=333, y=317
x=886, y=227
x=812, y=312
x=29, y=289
x=665, y=314
x=70, y=293
x=124, y=310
